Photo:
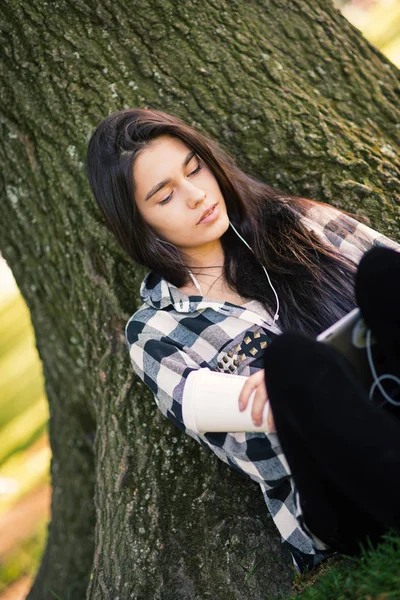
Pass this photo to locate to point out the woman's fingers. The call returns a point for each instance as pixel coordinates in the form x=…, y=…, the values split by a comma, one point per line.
x=248, y=388
x=256, y=383
x=260, y=399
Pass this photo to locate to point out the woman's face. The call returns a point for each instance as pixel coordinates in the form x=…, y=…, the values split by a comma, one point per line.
x=173, y=188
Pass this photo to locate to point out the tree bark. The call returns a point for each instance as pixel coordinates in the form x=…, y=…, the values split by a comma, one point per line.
x=303, y=101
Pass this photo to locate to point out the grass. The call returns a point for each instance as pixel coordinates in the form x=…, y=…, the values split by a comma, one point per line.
x=375, y=575
x=25, y=559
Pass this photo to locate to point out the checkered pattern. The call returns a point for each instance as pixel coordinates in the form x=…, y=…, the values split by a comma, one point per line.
x=172, y=334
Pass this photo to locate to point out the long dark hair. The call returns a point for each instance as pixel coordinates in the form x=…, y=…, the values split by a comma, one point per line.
x=313, y=281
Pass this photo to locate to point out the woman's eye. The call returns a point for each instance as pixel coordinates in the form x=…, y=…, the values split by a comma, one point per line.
x=197, y=169
x=167, y=199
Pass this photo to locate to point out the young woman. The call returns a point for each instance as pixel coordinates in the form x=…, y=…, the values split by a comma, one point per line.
x=242, y=277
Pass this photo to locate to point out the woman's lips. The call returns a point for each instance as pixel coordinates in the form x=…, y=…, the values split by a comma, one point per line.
x=212, y=216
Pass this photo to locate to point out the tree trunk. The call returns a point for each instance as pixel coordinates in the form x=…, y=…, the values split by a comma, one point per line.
x=304, y=102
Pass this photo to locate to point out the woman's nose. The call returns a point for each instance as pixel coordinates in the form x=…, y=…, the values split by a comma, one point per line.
x=195, y=196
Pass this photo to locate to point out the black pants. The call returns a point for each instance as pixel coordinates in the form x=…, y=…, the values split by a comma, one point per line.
x=342, y=448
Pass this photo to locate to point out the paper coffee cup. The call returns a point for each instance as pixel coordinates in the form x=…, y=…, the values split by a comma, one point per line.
x=210, y=403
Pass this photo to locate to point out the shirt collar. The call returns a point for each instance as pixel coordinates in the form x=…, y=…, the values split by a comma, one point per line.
x=159, y=293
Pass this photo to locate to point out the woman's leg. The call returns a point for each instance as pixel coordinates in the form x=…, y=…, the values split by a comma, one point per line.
x=343, y=451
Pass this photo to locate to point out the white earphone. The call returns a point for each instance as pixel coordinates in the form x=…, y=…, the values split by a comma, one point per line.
x=377, y=380
x=276, y=316
x=196, y=283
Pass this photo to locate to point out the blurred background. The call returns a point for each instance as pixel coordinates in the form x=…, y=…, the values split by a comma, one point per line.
x=24, y=448
x=379, y=22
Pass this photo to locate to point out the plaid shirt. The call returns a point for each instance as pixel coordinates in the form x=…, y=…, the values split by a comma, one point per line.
x=171, y=335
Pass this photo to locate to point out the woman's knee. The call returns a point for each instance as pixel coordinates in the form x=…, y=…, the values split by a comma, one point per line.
x=293, y=354
x=291, y=362
x=300, y=370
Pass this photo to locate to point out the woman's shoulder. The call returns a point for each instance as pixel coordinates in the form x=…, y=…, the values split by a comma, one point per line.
x=149, y=322
x=342, y=230
x=142, y=320
x=317, y=212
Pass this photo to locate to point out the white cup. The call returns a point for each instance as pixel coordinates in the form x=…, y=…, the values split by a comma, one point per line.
x=210, y=402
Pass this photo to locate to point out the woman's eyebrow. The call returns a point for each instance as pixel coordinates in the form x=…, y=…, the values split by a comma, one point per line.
x=160, y=185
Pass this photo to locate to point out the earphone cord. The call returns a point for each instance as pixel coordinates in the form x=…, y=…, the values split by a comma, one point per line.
x=276, y=316
x=377, y=380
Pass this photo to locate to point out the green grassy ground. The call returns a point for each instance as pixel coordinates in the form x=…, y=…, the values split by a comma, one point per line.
x=375, y=575
x=25, y=559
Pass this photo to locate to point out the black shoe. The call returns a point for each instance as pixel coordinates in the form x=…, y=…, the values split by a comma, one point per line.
x=377, y=291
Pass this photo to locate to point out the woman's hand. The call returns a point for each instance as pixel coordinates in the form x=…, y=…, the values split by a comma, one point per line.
x=257, y=382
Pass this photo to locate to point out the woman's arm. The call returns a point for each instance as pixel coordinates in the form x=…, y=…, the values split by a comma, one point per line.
x=349, y=236
x=164, y=368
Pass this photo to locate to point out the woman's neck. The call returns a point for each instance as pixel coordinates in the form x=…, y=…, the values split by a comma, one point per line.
x=207, y=267
x=207, y=279
x=204, y=256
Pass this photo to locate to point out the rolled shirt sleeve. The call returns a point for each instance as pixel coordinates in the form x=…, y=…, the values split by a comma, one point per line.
x=349, y=236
